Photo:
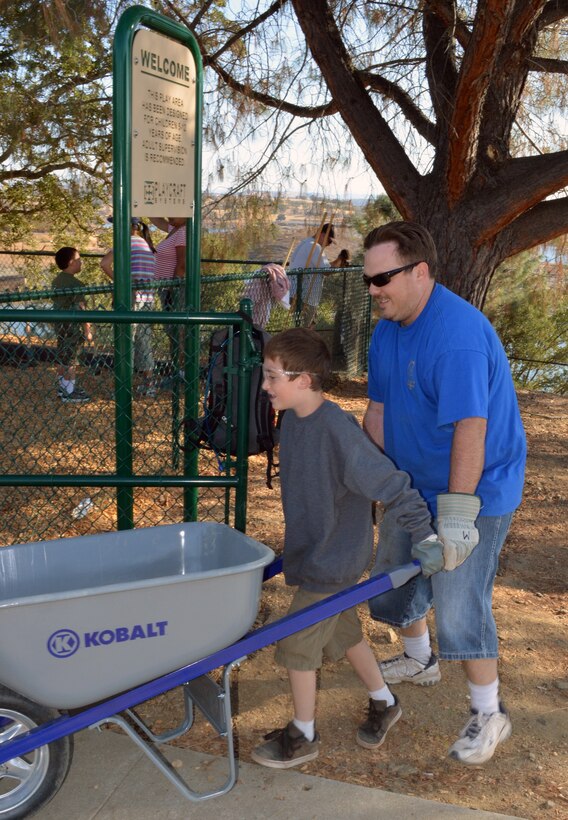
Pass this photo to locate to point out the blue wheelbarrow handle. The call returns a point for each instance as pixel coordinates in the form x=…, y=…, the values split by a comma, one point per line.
x=257, y=639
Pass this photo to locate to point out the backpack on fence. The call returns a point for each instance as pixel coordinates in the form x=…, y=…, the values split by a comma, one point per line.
x=211, y=431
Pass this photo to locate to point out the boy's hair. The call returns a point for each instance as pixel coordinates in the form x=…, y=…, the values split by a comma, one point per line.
x=301, y=350
x=64, y=257
x=415, y=243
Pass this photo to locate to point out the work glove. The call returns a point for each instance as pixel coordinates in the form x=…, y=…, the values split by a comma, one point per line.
x=456, y=526
x=430, y=553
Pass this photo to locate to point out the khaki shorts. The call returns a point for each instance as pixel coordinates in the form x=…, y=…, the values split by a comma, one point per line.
x=304, y=650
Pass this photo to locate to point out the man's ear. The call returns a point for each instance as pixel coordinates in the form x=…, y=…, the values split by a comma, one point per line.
x=423, y=271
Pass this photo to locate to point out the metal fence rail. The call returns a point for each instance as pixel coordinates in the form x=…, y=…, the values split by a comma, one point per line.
x=121, y=459
x=343, y=317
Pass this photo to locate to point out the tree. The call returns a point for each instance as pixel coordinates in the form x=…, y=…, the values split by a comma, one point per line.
x=453, y=105
x=55, y=135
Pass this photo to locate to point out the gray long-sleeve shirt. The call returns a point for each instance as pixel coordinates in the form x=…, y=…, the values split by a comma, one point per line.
x=330, y=472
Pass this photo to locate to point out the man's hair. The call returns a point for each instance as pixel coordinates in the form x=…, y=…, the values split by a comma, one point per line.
x=415, y=243
x=64, y=257
x=301, y=350
x=324, y=227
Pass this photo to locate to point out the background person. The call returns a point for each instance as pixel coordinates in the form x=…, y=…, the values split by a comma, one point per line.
x=443, y=407
x=267, y=291
x=142, y=267
x=330, y=474
x=170, y=264
x=70, y=335
x=310, y=253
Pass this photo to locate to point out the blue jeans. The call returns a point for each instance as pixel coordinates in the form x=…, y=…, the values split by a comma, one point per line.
x=462, y=599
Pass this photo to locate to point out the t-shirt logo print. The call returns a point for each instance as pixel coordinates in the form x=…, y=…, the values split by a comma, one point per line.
x=410, y=379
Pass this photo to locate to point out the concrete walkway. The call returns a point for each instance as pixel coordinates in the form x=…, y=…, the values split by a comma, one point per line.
x=111, y=779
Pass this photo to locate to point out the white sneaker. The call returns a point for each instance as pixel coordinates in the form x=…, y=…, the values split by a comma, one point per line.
x=480, y=737
x=404, y=669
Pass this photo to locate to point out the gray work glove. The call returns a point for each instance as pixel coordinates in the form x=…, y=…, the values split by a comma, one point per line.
x=456, y=526
x=430, y=553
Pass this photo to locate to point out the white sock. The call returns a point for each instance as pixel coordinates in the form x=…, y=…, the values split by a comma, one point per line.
x=418, y=648
x=485, y=698
x=67, y=385
x=383, y=694
x=307, y=727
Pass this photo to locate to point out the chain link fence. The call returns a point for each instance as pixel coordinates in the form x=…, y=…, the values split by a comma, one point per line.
x=60, y=462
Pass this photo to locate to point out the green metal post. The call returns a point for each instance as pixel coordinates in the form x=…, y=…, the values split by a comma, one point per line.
x=129, y=22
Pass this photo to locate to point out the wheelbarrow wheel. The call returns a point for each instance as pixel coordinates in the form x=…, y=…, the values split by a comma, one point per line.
x=29, y=782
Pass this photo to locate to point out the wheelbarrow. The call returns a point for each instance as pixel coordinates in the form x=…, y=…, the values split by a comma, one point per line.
x=91, y=627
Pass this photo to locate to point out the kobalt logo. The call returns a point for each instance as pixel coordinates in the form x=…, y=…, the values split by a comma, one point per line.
x=65, y=642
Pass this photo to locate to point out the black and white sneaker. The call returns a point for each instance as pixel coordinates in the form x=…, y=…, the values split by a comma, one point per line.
x=404, y=669
x=78, y=396
x=480, y=737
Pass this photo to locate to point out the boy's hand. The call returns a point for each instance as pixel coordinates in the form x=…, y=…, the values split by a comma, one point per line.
x=430, y=553
x=456, y=526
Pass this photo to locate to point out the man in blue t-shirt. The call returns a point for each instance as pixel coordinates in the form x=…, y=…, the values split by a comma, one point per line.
x=442, y=405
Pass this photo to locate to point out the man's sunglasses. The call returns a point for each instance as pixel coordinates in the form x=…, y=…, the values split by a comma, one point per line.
x=379, y=280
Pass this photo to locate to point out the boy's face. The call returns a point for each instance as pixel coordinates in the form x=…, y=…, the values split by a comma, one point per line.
x=286, y=393
x=75, y=264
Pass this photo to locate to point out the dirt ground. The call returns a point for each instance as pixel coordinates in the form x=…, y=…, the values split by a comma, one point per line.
x=528, y=775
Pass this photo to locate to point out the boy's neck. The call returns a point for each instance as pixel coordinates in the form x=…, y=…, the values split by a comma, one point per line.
x=313, y=401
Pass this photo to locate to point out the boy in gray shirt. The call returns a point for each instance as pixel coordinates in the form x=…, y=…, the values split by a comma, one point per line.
x=330, y=472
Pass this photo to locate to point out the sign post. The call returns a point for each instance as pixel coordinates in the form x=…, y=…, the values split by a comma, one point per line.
x=157, y=102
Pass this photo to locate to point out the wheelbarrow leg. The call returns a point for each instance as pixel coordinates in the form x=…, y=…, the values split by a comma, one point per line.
x=215, y=703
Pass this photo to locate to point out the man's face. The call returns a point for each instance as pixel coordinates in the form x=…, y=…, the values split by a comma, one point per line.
x=404, y=297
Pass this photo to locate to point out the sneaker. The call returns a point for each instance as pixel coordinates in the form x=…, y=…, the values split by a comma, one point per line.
x=78, y=396
x=404, y=669
x=372, y=733
x=480, y=737
x=286, y=748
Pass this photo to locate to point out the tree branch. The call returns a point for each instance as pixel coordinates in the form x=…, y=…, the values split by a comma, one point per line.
x=368, y=127
x=238, y=35
x=311, y=112
x=392, y=91
x=441, y=70
x=445, y=11
x=518, y=187
x=553, y=12
x=544, y=222
x=23, y=173
x=489, y=35
x=548, y=66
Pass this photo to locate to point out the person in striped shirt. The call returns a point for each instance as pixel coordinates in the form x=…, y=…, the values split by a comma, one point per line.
x=142, y=270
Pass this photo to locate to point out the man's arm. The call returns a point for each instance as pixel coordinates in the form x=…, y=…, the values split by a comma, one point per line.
x=107, y=263
x=459, y=507
x=467, y=455
x=373, y=422
x=160, y=222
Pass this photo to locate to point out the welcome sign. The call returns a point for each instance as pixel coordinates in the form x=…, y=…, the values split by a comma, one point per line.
x=163, y=126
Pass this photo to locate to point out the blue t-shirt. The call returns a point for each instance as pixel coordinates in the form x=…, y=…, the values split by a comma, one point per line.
x=448, y=365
